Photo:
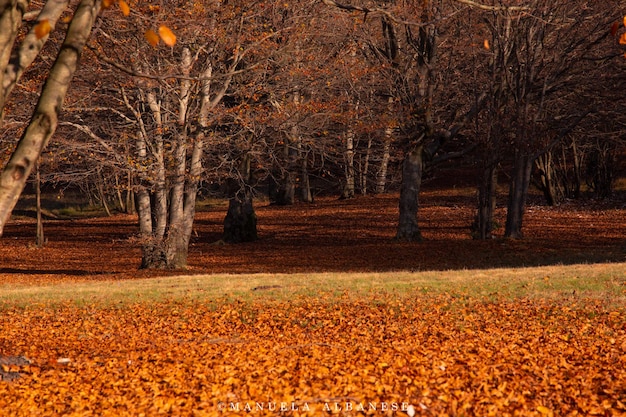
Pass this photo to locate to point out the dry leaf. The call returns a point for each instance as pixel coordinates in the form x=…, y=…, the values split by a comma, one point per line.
x=124, y=7
x=167, y=36
x=42, y=29
x=152, y=38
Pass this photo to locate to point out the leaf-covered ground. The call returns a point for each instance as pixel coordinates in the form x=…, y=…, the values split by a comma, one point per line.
x=432, y=355
x=329, y=235
x=385, y=353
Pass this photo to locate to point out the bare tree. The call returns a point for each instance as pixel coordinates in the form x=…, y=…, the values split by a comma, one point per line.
x=177, y=100
x=537, y=56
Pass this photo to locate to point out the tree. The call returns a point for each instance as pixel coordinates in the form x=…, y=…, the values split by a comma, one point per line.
x=410, y=59
x=185, y=104
x=14, y=59
x=538, y=55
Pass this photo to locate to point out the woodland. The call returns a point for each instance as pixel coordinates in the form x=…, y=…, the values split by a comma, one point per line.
x=315, y=207
x=176, y=101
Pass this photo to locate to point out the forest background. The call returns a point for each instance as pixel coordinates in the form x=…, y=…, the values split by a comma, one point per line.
x=293, y=100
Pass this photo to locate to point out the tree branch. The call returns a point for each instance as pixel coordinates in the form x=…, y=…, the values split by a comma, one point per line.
x=30, y=47
x=45, y=117
x=139, y=74
x=491, y=8
x=375, y=11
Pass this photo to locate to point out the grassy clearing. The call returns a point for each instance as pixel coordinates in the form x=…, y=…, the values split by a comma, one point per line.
x=179, y=346
x=603, y=282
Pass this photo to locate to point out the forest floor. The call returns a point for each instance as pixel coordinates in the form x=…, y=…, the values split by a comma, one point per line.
x=330, y=235
x=419, y=351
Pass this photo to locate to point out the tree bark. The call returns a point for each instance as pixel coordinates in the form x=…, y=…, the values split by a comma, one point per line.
x=548, y=179
x=381, y=177
x=364, y=168
x=40, y=240
x=45, y=117
x=305, y=183
x=483, y=227
x=518, y=191
x=348, y=188
x=13, y=64
x=412, y=168
x=283, y=192
x=240, y=222
x=168, y=233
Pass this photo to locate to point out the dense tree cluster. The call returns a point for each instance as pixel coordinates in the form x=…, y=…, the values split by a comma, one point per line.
x=177, y=98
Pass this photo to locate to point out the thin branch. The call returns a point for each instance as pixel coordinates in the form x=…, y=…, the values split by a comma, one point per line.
x=100, y=109
x=91, y=134
x=139, y=74
x=378, y=11
x=374, y=12
x=492, y=8
x=563, y=132
x=239, y=54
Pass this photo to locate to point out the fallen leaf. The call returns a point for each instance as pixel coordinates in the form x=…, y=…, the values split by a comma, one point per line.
x=167, y=36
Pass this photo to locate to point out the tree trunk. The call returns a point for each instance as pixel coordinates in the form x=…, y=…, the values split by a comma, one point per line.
x=190, y=196
x=177, y=241
x=118, y=193
x=577, y=175
x=177, y=245
x=381, y=177
x=45, y=117
x=483, y=226
x=240, y=221
x=518, y=191
x=548, y=181
x=14, y=61
x=130, y=196
x=305, y=184
x=166, y=234
x=166, y=198
x=348, y=189
x=102, y=195
x=365, y=168
x=600, y=175
x=152, y=254
x=412, y=168
x=40, y=236
x=283, y=192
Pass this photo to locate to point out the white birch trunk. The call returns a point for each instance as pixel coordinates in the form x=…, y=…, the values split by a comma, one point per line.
x=366, y=167
x=13, y=65
x=381, y=178
x=348, y=190
x=45, y=116
x=177, y=241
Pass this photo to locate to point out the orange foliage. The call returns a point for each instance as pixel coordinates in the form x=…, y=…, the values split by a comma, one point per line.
x=167, y=36
x=152, y=38
x=614, y=28
x=440, y=355
x=42, y=29
x=124, y=7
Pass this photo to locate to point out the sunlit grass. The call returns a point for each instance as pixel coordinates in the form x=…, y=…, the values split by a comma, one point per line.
x=603, y=282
